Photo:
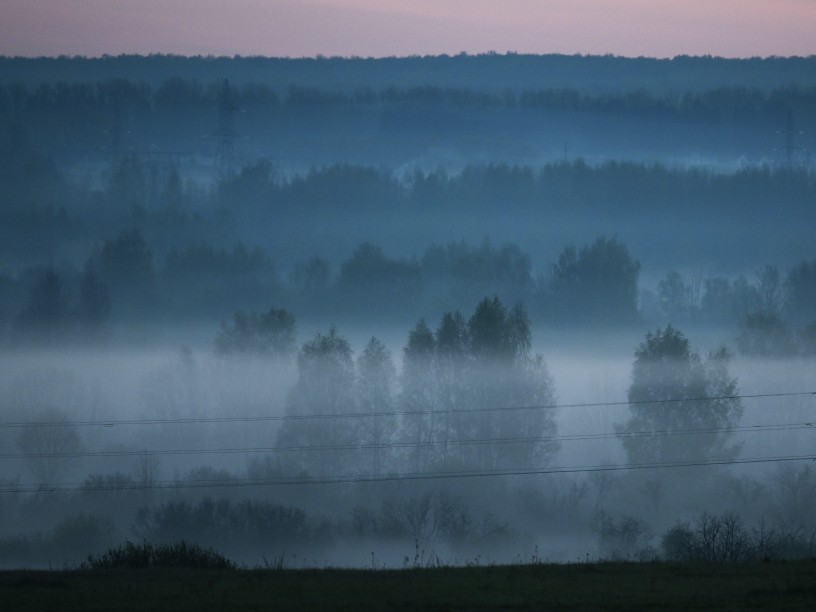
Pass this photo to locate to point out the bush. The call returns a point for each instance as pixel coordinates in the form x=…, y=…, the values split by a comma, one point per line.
x=78, y=534
x=145, y=555
x=66, y=544
x=223, y=523
x=713, y=539
x=626, y=538
x=724, y=539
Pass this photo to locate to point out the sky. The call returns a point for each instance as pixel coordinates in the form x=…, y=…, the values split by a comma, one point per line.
x=377, y=28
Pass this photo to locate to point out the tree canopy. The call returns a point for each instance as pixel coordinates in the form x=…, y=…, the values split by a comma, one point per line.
x=672, y=391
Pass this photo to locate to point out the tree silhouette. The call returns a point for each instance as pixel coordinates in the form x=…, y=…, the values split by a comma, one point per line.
x=674, y=296
x=502, y=372
x=765, y=334
x=45, y=315
x=94, y=298
x=800, y=286
x=51, y=446
x=310, y=279
x=670, y=384
x=461, y=378
x=596, y=284
x=375, y=394
x=369, y=276
x=325, y=386
x=271, y=333
x=126, y=262
x=419, y=393
x=487, y=331
x=450, y=367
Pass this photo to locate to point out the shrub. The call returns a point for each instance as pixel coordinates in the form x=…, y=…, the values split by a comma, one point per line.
x=145, y=555
x=724, y=539
x=223, y=523
x=626, y=538
x=80, y=533
x=713, y=539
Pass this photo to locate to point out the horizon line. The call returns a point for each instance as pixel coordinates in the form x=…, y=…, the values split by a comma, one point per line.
x=323, y=57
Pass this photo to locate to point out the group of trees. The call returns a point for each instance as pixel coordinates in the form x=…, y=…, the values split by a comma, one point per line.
x=495, y=71
x=470, y=395
x=50, y=315
x=628, y=188
x=86, y=112
x=478, y=380
x=776, y=316
x=596, y=284
x=270, y=333
x=189, y=226
x=784, y=323
x=176, y=94
x=121, y=270
x=673, y=390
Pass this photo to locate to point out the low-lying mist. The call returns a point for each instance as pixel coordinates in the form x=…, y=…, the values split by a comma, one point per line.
x=438, y=448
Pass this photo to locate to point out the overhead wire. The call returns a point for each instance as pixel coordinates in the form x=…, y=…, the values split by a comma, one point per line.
x=413, y=443
x=89, y=486
x=363, y=478
x=376, y=414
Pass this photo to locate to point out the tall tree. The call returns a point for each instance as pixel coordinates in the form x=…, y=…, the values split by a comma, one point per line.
x=674, y=296
x=674, y=390
x=94, y=298
x=52, y=447
x=597, y=284
x=126, y=262
x=800, y=286
x=769, y=290
x=503, y=375
x=270, y=333
x=450, y=367
x=467, y=382
x=375, y=396
x=325, y=386
x=45, y=316
x=418, y=397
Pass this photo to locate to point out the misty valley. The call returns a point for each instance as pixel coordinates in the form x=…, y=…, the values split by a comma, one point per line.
x=403, y=313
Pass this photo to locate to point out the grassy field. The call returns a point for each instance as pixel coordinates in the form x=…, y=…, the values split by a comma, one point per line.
x=602, y=586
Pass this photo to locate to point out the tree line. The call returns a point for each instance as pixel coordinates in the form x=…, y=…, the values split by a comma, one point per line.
x=597, y=285
x=470, y=395
x=490, y=71
x=175, y=95
x=101, y=121
x=43, y=206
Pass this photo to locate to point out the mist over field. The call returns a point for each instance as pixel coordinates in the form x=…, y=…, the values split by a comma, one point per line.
x=401, y=313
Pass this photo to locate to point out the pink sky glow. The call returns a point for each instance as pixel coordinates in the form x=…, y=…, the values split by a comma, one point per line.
x=375, y=28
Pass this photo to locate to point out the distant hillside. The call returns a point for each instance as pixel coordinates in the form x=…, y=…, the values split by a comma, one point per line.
x=491, y=72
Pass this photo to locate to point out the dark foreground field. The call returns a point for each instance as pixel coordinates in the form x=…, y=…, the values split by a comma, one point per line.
x=605, y=586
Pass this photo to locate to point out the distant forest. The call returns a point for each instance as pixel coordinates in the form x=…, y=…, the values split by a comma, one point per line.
x=422, y=112
x=492, y=72
x=424, y=183
x=299, y=125
x=255, y=303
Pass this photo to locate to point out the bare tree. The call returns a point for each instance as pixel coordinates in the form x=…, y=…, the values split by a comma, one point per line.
x=769, y=288
x=146, y=470
x=52, y=447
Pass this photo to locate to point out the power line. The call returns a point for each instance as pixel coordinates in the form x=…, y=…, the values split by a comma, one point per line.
x=415, y=444
x=396, y=413
x=281, y=481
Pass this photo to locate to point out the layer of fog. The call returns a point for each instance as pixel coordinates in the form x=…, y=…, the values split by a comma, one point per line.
x=124, y=384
